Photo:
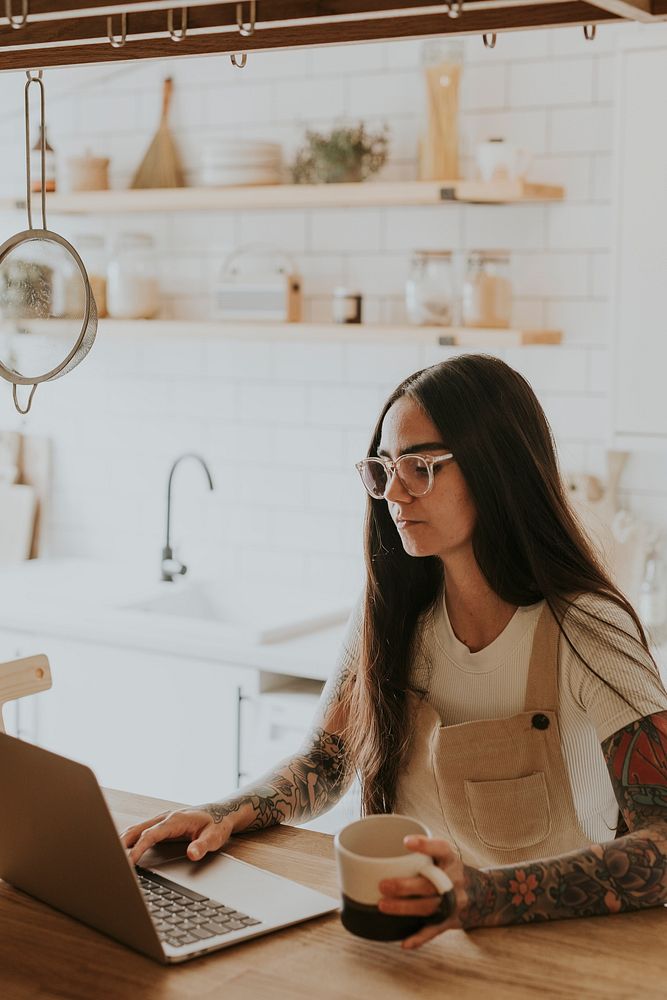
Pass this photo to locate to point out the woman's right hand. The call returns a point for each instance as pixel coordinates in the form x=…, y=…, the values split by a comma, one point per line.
x=196, y=825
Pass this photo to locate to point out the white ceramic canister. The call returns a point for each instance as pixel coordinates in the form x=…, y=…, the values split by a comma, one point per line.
x=498, y=160
x=133, y=290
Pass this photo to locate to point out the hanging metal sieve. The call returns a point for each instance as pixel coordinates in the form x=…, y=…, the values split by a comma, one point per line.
x=42, y=278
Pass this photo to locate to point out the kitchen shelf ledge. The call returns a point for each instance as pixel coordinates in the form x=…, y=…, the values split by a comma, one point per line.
x=442, y=336
x=296, y=196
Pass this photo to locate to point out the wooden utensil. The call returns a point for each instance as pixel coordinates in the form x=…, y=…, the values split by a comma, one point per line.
x=620, y=537
x=161, y=165
x=19, y=678
x=36, y=472
x=17, y=522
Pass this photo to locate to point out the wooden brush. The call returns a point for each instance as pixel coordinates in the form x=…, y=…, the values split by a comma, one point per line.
x=161, y=165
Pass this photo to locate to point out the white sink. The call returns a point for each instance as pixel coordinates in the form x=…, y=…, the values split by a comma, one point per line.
x=255, y=614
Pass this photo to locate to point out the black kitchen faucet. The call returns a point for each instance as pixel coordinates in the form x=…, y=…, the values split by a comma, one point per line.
x=171, y=567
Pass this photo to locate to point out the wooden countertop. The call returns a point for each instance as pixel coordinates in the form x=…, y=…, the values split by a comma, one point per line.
x=46, y=955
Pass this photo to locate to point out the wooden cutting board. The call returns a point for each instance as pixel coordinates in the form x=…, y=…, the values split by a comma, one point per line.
x=36, y=472
x=17, y=522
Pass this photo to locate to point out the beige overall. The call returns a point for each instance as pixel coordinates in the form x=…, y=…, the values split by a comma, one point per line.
x=496, y=789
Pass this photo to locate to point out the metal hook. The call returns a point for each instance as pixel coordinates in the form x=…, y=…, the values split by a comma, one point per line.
x=117, y=43
x=246, y=29
x=177, y=36
x=28, y=404
x=455, y=8
x=489, y=40
x=243, y=58
x=16, y=22
x=590, y=31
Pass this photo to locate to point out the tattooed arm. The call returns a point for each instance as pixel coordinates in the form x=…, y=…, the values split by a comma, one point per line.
x=300, y=788
x=628, y=873
x=297, y=789
x=305, y=785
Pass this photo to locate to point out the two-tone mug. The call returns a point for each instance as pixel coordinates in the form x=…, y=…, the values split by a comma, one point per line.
x=370, y=850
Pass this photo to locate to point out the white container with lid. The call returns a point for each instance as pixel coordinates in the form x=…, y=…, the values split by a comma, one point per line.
x=429, y=290
x=133, y=290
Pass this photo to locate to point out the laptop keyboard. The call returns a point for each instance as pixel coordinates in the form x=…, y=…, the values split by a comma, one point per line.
x=182, y=916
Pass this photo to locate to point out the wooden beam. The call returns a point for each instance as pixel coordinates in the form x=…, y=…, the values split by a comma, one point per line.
x=227, y=40
x=154, y=22
x=267, y=10
x=633, y=10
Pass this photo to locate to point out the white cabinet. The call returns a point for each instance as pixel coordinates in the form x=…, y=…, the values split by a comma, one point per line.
x=161, y=725
x=640, y=396
x=145, y=722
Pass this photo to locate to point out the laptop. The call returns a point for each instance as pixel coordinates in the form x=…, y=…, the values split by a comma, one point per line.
x=58, y=843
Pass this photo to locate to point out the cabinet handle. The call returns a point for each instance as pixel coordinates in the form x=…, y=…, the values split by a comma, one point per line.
x=239, y=699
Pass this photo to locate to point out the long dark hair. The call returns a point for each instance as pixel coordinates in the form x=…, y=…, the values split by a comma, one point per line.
x=527, y=542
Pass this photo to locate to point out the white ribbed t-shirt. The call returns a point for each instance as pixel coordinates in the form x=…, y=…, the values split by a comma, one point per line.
x=465, y=687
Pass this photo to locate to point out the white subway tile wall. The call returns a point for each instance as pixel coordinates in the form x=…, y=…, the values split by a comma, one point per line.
x=281, y=424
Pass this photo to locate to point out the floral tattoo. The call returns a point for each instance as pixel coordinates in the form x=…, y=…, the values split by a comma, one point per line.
x=628, y=873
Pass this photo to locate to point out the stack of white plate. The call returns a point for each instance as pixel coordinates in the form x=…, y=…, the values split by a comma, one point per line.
x=240, y=161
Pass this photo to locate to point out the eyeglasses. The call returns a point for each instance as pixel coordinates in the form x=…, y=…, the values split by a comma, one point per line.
x=414, y=471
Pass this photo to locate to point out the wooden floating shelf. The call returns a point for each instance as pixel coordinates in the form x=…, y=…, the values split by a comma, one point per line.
x=295, y=196
x=435, y=336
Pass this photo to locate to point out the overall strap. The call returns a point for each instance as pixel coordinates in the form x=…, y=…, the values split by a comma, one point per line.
x=542, y=686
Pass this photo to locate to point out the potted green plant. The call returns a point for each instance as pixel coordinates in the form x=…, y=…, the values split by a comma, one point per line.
x=345, y=154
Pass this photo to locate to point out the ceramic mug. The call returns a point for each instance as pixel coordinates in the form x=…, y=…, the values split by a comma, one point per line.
x=498, y=160
x=371, y=849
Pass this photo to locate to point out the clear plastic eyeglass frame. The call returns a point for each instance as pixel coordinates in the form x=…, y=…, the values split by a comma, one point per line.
x=393, y=468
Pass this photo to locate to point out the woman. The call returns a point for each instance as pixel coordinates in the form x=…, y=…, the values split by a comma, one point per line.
x=494, y=683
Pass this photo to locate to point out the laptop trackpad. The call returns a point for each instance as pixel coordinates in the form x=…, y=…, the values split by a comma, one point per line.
x=252, y=890
x=168, y=850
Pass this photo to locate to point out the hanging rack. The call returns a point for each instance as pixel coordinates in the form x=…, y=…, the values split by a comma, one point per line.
x=67, y=32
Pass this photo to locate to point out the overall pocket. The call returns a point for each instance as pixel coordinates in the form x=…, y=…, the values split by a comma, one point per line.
x=510, y=813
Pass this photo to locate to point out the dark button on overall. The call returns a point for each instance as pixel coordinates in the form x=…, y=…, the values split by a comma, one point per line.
x=540, y=721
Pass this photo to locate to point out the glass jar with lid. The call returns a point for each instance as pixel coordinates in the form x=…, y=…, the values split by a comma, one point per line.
x=133, y=290
x=429, y=290
x=487, y=289
x=91, y=249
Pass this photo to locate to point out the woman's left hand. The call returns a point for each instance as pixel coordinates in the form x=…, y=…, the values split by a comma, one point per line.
x=417, y=897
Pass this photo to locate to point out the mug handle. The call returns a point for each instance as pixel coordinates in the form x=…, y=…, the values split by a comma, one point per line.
x=442, y=882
